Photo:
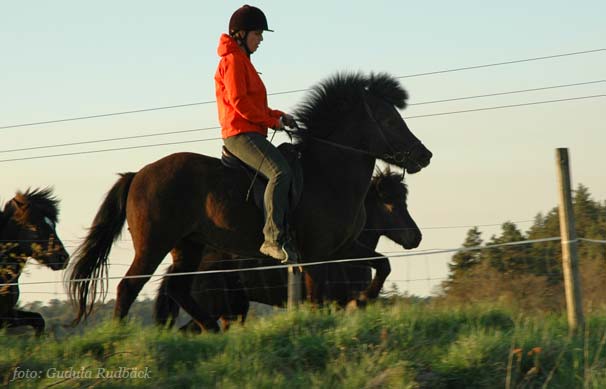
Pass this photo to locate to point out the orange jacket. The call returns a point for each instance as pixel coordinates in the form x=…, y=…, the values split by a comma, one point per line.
x=241, y=95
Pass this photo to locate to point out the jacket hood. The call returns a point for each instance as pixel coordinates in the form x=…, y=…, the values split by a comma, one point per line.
x=227, y=45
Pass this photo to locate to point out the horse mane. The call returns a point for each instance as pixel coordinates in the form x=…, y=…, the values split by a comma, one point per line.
x=3, y=220
x=387, y=183
x=342, y=94
x=41, y=199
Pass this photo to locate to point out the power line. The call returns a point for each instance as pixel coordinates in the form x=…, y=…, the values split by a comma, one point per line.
x=508, y=93
x=445, y=227
x=216, y=127
x=212, y=139
x=503, y=63
x=298, y=90
x=106, y=150
x=104, y=115
x=110, y=139
x=504, y=106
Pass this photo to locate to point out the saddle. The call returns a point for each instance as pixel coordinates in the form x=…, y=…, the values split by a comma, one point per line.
x=292, y=156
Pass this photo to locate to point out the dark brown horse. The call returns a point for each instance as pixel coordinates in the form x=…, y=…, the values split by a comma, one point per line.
x=27, y=230
x=226, y=295
x=185, y=202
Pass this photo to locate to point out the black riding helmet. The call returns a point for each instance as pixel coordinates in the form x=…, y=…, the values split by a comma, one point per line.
x=248, y=18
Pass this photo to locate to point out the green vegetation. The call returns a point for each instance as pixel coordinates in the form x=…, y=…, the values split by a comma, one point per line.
x=393, y=343
x=497, y=322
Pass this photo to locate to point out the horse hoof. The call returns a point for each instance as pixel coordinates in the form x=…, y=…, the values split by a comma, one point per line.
x=362, y=300
x=351, y=306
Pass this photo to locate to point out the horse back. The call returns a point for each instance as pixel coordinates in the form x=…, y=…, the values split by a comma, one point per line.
x=193, y=196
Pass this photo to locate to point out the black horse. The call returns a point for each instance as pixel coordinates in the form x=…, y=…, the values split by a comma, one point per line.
x=226, y=295
x=185, y=201
x=27, y=230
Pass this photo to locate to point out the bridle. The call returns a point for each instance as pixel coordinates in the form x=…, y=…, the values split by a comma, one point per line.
x=397, y=156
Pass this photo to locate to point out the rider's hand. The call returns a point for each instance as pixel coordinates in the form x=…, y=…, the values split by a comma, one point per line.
x=288, y=121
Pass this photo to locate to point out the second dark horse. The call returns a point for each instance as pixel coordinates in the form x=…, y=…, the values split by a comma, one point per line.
x=226, y=296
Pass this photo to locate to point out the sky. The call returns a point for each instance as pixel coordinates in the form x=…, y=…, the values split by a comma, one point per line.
x=68, y=59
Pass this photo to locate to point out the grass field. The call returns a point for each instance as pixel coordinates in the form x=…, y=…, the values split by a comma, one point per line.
x=388, y=344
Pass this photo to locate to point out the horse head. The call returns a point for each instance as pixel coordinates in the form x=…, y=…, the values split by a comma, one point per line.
x=387, y=211
x=360, y=114
x=31, y=219
x=389, y=137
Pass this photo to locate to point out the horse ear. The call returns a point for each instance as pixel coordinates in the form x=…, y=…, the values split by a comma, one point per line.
x=20, y=205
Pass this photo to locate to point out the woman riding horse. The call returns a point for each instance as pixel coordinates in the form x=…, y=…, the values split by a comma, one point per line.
x=185, y=201
x=245, y=117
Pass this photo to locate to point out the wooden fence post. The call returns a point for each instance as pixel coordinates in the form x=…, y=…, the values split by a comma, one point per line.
x=570, y=260
x=295, y=280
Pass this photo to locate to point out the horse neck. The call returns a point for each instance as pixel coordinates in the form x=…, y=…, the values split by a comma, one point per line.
x=11, y=265
x=349, y=171
x=3, y=222
x=370, y=238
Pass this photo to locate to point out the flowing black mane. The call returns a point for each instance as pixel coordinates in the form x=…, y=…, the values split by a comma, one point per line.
x=41, y=199
x=341, y=93
x=388, y=184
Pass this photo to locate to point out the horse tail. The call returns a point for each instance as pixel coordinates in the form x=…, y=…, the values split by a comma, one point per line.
x=165, y=308
x=89, y=270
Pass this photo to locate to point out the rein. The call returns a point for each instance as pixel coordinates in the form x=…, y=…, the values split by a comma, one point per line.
x=397, y=156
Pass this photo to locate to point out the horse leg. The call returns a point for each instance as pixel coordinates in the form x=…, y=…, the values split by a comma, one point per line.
x=166, y=311
x=381, y=266
x=129, y=288
x=315, y=284
x=238, y=299
x=20, y=318
x=186, y=258
x=190, y=328
x=225, y=323
x=382, y=270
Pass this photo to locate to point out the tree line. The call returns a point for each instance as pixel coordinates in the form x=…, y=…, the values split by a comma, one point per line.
x=530, y=276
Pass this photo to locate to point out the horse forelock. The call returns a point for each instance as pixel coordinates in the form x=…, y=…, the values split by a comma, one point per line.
x=388, y=88
x=41, y=199
x=389, y=184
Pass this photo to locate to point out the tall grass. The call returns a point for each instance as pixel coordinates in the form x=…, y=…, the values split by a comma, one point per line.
x=397, y=345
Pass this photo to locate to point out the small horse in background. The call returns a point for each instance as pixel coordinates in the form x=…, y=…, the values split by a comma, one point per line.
x=27, y=230
x=387, y=215
x=226, y=295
